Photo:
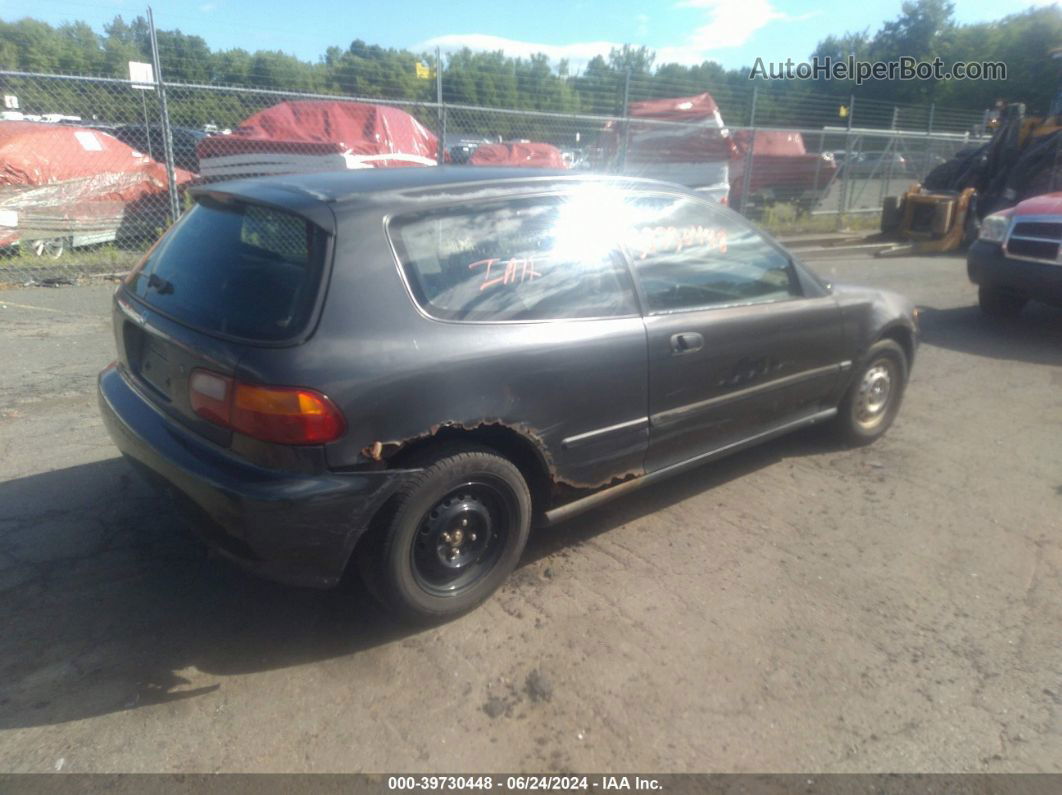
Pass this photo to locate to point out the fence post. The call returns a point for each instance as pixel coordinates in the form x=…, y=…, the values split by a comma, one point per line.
x=929, y=141
x=1054, y=171
x=147, y=124
x=818, y=167
x=167, y=133
x=627, y=120
x=746, y=177
x=440, y=106
x=842, y=199
x=893, y=147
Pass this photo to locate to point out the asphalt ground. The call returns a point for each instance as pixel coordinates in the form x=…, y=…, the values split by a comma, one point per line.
x=796, y=607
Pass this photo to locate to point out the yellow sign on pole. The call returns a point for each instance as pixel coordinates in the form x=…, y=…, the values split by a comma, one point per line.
x=843, y=111
x=423, y=71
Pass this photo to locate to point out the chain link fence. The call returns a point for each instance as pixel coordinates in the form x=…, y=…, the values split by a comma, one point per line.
x=87, y=186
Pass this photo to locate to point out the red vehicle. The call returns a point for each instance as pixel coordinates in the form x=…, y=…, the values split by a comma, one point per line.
x=782, y=169
x=680, y=139
x=318, y=135
x=63, y=186
x=525, y=154
x=1018, y=256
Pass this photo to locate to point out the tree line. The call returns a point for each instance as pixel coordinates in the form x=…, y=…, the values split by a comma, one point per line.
x=923, y=29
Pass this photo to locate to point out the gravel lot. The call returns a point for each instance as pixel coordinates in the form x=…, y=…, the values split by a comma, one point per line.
x=797, y=607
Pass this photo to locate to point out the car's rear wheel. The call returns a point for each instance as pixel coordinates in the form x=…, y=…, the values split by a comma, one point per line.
x=998, y=303
x=456, y=532
x=873, y=399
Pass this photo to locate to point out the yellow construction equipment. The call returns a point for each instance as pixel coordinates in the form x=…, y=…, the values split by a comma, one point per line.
x=1023, y=158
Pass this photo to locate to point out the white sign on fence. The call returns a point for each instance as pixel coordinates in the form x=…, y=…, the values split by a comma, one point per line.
x=142, y=75
x=10, y=102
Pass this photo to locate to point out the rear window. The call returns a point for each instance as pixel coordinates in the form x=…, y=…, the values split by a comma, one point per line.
x=535, y=259
x=237, y=269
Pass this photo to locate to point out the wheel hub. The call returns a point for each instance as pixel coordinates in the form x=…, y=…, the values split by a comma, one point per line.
x=458, y=530
x=874, y=392
x=461, y=537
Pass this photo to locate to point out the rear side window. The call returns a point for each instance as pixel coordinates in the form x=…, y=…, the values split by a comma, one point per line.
x=238, y=269
x=532, y=259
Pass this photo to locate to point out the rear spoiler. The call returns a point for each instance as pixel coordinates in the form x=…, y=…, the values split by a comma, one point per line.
x=274, y=194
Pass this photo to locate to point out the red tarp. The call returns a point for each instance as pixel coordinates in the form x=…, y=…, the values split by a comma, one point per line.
x=526, y=153
x=781, y=166
x=319, y=135
x=700, y=107
x=58, y=179
x=785, y=143
x=36, y=154
x=695, y=135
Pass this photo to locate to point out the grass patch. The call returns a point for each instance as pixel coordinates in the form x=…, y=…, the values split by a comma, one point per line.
x=785, y=219
x=20, y=265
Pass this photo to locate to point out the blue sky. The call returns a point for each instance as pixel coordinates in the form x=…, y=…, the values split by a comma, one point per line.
x=732, y=32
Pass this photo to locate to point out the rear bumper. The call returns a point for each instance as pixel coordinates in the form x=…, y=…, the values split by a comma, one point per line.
x=987, y=265
x=291, y=527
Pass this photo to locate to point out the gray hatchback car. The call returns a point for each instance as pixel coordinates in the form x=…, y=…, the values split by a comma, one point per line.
x=410, y=368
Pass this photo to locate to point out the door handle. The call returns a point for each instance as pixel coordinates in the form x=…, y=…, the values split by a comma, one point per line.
x=686, y=342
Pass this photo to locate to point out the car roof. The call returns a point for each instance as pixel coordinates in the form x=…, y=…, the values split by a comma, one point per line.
x=303, y=193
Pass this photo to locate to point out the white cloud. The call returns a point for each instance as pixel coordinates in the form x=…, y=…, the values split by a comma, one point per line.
x=727, y=23
x=730, y=23
x=578, y=54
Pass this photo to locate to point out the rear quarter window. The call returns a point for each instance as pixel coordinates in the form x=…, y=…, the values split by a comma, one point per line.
x=528, y=259
x=237, y=269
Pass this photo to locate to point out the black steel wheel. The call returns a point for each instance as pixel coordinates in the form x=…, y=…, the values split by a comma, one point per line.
x=462, y=536
x=457, y=530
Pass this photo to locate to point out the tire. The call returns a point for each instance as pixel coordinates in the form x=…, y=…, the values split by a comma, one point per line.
x=865, y=412
x=971, y=230
x=890, y=215
x=455, y=533
x=999, y=304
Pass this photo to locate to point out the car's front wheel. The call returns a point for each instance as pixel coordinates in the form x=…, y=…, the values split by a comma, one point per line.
x=999, y=304
x=456, y=532
x=873, y=399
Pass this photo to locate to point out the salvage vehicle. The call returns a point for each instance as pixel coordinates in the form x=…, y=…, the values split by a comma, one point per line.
x=780, y=170
x=305, y=136
x=64, y=186
x=148, y=139
x=677, y=139
x=520, y=154
x=880, y=165
x=1018, y=257
x=409, y=368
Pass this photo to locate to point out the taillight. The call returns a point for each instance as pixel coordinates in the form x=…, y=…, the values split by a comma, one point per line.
x=211, y=395
x=281, y=414
x=287, y=415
